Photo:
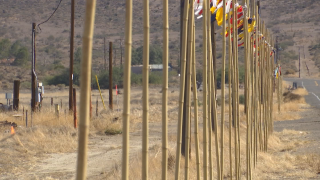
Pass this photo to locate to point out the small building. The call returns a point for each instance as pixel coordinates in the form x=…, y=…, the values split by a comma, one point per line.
x=137, y=69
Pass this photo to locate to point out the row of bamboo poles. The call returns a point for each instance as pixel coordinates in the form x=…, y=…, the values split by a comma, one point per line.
x=259, y=84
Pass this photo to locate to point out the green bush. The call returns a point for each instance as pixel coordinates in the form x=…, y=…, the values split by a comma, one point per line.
x=16, y=50
x=136, y=79
x=155, y=78
x=241, y=75
x=242, y=99
x=155, y=55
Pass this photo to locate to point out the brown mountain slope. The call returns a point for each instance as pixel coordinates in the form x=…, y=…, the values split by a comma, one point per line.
x=17, y=16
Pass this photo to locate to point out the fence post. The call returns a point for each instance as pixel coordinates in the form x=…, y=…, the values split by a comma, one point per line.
x=74, y=108
x=26, y=118
x=57, y=109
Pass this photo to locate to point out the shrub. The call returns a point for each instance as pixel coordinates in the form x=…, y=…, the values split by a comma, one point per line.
x=242, y=99
x=290, y=71
x=155, y=78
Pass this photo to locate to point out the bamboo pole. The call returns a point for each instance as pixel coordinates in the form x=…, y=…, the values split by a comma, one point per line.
x=210, y=91
x=145, y=97
x=234, y=87
x=229, y=83
x=205, y=55
x=85, y=89
x=165, y=58
x=182, y=88
x=188, y=93
x=195, y=100
x=257, y=103
x=222, y=88
x=247, y=91
x=126, y=94
x=214, y=122
x=237, y=149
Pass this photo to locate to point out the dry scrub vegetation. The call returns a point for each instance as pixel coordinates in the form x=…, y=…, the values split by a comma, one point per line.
x=23, y=151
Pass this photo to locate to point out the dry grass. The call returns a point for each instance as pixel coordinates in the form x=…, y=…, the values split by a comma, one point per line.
x=57, y=135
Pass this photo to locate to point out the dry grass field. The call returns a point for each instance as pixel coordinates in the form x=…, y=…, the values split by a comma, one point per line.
x=47, y=150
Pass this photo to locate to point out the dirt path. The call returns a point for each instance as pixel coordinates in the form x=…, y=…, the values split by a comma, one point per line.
x=104, y=154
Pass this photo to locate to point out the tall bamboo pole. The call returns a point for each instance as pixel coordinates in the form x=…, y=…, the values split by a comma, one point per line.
x=182, y=88
x=145, y=97
x=165, y=58
x=85, y=89
x=214, y=122
x=126, y=94
x=188, y=93
x=247, y=90
x=223, y=87
x=257, y=103
x=229, y=83
x=210, y=91
x=205, y=141
x=195, y=100
x=234, y=86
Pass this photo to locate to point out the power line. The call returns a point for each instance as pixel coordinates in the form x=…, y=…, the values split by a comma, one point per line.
x=50, y=15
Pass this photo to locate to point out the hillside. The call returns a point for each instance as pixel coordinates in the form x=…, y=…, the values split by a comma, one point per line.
x=294, y=22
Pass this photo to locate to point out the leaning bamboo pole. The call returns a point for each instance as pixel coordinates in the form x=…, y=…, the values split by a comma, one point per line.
x=234, y=87
x=210, y=92
x=85, y=89
x=195, y=100
x=182, y=88
x=247, y=92
x=237, y=98
x=223, y=88
x=214, y=118
x=145, y=90
x=165, y=61
x=126, y=92
x=229, y=84
x=210, y=63
x=204, y=86
x=188, y=93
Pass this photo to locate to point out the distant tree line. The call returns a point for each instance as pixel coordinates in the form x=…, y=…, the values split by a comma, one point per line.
x=16, y=50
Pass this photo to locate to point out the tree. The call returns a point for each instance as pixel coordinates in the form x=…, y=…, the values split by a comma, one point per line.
x=22, y=57
x=155, y=55
x=78, y=55
x=5, y=46
x=15, y=48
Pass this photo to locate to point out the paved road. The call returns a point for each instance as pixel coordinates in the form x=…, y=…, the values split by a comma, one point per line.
x=312, y=86
x=311, y=119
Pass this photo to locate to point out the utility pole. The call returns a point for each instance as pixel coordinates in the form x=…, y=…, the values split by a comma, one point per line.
x=104, y=53
x=71, y=58
x=120, y=52
x=299, y=62
x=33, y=68
x=110, y=76
x=16, y=86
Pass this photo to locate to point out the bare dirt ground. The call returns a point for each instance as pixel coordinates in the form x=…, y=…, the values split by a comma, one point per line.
x=48, y=150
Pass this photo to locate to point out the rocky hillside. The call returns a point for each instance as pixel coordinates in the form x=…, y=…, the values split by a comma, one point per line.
x=294, y=22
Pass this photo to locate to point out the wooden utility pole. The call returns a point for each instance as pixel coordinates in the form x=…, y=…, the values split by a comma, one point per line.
x=71, y=58
x=104, y=53
x=33, y=69
x=110, y=77
x=120, y=52
x=299, y=63
x=16, y=86
x=75, y=108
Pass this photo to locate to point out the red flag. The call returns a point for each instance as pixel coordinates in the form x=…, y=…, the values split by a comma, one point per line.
x=116, y=90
